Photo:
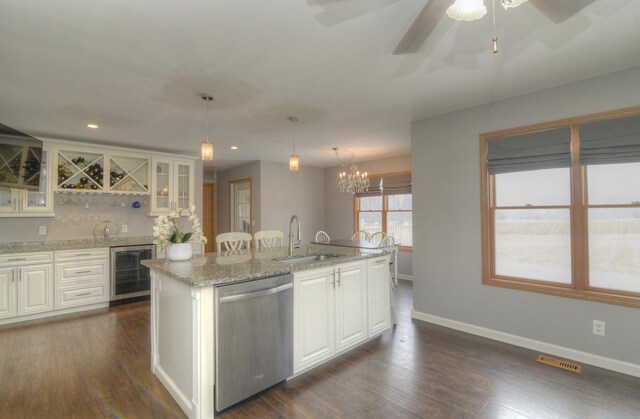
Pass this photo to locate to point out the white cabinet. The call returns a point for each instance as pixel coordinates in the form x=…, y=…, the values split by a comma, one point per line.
x=25, y=288
x=81, y=277
x=379, y=293
x=35, y=289
x=330, y=312
x=351, y=305
x=172, y=185
x=313, y=321
x=32, y=198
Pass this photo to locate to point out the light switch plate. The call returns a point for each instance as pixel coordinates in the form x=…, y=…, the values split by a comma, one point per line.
x=42, y=230
x=124, y=228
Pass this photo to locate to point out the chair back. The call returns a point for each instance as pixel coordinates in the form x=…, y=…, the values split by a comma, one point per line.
x=233, y=241
x=360, y=235
x=378, y=237
x=322, y=237
x=268, y=238
x=387, y=242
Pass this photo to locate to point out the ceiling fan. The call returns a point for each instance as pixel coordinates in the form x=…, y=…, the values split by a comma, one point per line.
x=555, y=10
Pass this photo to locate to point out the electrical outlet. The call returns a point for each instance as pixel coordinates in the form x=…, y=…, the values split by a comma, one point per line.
x=598, y=327
x=124, y=228
x=42, y=230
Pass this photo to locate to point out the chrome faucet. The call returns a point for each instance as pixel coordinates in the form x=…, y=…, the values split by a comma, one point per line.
x=291, y=245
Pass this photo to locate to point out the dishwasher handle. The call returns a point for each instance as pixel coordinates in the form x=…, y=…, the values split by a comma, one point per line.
x=255, y=294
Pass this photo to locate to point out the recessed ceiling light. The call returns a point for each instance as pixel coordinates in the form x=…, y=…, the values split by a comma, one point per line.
x=234, y=147
x=94, y=126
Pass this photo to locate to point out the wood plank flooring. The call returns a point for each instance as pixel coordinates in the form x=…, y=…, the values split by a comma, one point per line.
x=98, y=365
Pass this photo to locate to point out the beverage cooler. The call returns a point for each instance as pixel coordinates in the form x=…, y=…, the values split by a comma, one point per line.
x=128, y=277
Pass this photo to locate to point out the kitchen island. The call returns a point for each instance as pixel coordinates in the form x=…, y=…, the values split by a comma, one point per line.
x=340, y=300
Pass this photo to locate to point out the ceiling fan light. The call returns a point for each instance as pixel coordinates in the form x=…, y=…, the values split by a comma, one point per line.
x=510, y=4
x=467, y=10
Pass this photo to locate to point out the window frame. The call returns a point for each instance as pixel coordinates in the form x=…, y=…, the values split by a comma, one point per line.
x=578, y=212
x=384, y=211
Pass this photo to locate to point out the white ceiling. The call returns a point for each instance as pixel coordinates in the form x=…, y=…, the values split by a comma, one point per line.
x=137, y=68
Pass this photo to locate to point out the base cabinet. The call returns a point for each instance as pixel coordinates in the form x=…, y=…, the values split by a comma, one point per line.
x=8, y=293
x=331, y=312
x=379, y=292
x=26, y=290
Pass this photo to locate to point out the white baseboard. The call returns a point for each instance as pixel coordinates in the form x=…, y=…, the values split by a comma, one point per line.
x=172, y=388
x=53, y=313
x=548, y=348
x=405, y=277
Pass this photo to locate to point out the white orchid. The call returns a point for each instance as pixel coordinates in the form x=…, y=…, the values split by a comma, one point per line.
x=166, y=229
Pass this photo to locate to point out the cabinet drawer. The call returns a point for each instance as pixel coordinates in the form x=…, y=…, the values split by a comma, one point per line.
x=81, y=254
x=18, y=259
x=81, y=272
x=71, y=296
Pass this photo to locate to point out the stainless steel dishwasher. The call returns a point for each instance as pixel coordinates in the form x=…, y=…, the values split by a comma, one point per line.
x=253, y=336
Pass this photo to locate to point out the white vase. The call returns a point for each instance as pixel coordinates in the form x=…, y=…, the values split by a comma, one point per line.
x=179, y=251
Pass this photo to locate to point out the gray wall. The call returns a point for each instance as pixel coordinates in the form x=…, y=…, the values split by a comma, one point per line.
x=285, y=193
x=249, y=170
x=446, y=202
x=338, y=212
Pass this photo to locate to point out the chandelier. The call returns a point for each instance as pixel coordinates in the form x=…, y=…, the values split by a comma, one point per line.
x=352, y=180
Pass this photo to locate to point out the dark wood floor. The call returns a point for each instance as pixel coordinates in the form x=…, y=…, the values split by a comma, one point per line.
x=97, y=365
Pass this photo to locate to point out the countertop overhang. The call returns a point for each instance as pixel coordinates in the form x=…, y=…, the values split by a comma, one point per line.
x=215, y=269
x=53, y=245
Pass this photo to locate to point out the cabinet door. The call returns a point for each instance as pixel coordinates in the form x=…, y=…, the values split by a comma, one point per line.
x=8, y=295
x=161, y=186
x=39, y=200
x=379, y=296
x=35, y=289
x=313, y=322
x=184, y=184
x=351, y=305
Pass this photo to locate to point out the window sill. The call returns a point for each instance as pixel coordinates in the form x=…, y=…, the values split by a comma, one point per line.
x=600, y=296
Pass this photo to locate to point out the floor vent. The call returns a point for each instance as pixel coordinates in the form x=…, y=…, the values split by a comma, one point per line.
x=565, y=365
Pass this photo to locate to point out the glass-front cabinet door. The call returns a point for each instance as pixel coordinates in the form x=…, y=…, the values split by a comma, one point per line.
x=162, y=189
x=38, y=199
x=32, y=194
x=184, y=182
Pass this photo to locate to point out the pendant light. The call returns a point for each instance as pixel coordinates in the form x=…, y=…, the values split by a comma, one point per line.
x=207, y=146
x=294, y=161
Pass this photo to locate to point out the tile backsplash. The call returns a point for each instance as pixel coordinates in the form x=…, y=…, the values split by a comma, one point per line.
x=77, y=214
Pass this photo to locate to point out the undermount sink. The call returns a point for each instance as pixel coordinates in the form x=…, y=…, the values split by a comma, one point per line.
x=308, y=258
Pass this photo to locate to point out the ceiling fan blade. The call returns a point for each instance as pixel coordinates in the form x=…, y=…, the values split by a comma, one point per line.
x=422, y=26
x=560, y=10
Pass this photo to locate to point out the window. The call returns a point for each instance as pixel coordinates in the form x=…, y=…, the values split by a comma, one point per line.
x=561, y=208
x=387, y=208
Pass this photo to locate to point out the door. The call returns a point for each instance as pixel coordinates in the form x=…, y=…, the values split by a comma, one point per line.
x=162, y=186
x=209, y=215
x=35, y=289
x=8, y=295
x=313, y=322
x=351, y=305
x=38, y=200
x=379, y=296
x=183, y=184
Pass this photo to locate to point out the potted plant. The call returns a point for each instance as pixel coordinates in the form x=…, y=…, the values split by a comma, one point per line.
x=178, y=244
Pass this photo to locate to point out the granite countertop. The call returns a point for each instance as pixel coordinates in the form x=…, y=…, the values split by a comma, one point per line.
x=237, y=266
x=47, y=246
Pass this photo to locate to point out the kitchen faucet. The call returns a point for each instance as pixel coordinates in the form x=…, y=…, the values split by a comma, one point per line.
x=291, y=245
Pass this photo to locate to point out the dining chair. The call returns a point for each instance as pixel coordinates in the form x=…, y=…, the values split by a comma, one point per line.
x=268, y=238
x=322, y=237
x=378, y=236
x=233, y=241
x=360, y=235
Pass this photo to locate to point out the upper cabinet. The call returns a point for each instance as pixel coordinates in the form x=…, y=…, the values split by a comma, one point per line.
x=33, y=197
x=172, y=185
x=88, y=170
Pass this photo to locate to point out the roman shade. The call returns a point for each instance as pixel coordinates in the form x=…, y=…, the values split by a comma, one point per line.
x=548, y=149
x=375, y=187
x=611, y=141
x=394, y=184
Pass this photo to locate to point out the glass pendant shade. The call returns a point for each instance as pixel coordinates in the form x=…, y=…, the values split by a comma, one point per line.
x=294, y=163
x=466, y=10
x=207, y=151
x=510, y=4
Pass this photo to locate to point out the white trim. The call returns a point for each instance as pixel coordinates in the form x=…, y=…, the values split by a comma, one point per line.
x=405, y=277
x=178, y=396
x=622, y=367
x=53, y=313
x=57, y=143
